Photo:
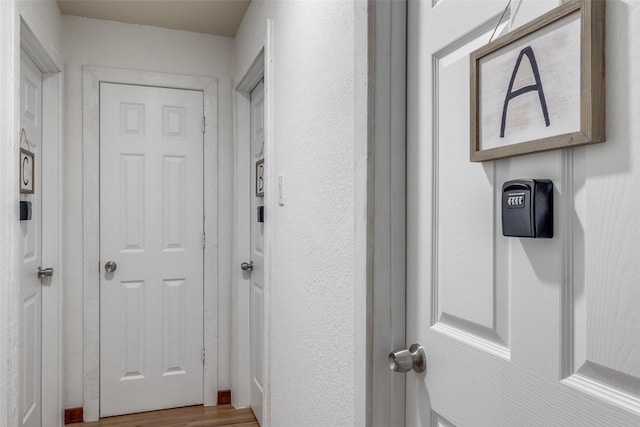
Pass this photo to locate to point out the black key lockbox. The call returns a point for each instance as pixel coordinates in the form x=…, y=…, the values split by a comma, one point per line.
x=25, y=211
x=527, y=208
x=260, y=213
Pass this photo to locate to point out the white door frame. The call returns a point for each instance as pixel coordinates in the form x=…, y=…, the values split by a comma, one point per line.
x=240, y=378
x=386, y=177
x=51, y=225
x=91, y=78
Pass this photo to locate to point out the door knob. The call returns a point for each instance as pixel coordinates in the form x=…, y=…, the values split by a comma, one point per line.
x=110, y=266
x=247, y=266
x=44, y=272
x=403, y=360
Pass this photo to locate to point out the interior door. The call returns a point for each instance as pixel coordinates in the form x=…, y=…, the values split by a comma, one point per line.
x=151, y=248
x=257, y=250
x=519, y=331
x=31, y=246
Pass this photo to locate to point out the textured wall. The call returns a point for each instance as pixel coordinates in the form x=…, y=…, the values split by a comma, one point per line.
x=116, y=45
x=44, y=19
x=313, y=340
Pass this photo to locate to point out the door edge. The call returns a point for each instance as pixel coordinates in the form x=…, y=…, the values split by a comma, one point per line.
x=386, y=210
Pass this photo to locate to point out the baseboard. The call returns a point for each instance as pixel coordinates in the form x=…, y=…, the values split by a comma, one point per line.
x=224, y=397
x=73, y=415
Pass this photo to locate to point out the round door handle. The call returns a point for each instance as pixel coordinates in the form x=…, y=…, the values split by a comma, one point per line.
x=110, y=266
x=247, y=266
x=403, y=360
x=44, y=272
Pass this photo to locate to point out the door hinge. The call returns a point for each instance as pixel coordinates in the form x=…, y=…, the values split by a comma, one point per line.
x=204, y=119
x=203, y=355
x=204, y=241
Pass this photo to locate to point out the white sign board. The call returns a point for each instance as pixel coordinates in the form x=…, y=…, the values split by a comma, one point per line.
x=27, y=169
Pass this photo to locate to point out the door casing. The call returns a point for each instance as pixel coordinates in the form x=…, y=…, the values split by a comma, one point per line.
x=240, y=380
x=51, y=221
x=92, y=76
x=385, y=207
x=16, y=36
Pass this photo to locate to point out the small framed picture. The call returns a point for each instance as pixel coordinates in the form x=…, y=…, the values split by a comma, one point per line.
x=542, y=86
x=260, y=178
x=27, y=171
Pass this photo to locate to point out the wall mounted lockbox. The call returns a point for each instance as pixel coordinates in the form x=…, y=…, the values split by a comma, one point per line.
x=25, y=211
x=260, y=213
x=527, y=208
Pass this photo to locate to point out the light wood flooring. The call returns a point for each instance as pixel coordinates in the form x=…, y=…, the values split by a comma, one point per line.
x=192, y=416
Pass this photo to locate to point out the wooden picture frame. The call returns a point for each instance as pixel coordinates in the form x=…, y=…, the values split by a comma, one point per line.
x=260, y=178
x=569, y=109
x=27, y=170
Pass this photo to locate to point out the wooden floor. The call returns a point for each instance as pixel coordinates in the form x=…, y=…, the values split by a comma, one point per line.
x=218, y=416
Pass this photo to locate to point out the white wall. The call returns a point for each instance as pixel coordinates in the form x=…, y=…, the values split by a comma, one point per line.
x=43, y=17
x=110, y=44
x=313, y=335
x=45, y=20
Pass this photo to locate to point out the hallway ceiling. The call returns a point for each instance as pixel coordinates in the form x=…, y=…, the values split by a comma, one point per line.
x=218, y=17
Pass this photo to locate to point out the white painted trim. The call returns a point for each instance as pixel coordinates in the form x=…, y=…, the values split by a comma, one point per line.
x=240, y=357
x=52, y=410
x=261, y=67
x=35, y=50
x=9, y=220
x=271, y=203
x=92, y=76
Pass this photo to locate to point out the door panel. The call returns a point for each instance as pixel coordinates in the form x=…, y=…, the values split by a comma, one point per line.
x=132, y=202
x=465, y=208
x=518, y=331
x=31, y=249
x=151, y=226
x=257, y=254
x=606, y=298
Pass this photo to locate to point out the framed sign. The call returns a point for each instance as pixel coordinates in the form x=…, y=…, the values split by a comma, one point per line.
x=27, y=171
x=260, y=178
x=540, y=87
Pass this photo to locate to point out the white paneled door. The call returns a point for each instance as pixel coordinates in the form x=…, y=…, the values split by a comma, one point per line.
x=31, y=247
x=519, y=332
x=151, y=248
x=257, y=250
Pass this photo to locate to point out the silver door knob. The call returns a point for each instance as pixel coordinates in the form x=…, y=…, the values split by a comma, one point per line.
x=110, y=266
x=44, y=272
x=247, y=266
x=403, y=360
